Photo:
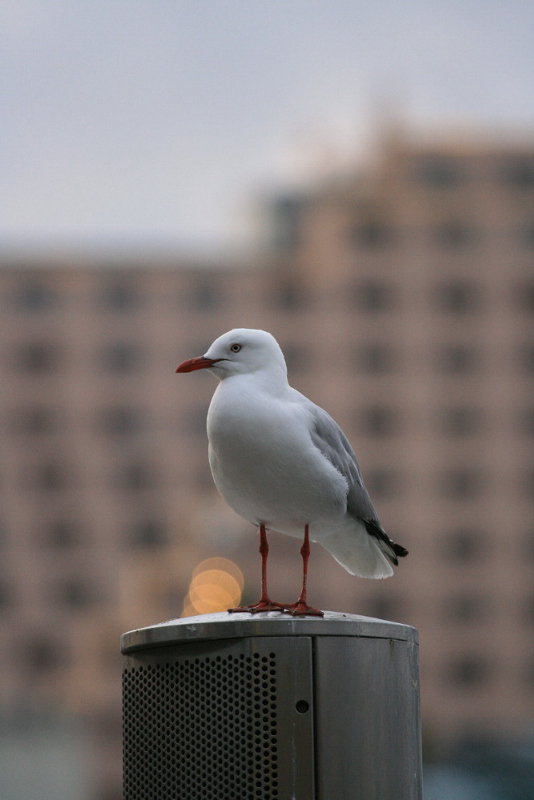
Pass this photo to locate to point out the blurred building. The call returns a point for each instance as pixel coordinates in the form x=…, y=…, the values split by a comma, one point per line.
x=403, y=298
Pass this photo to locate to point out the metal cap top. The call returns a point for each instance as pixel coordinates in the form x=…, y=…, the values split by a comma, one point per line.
x=235, y=626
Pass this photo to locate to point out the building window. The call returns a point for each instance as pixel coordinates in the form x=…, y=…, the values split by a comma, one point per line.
x=456, y=297
x=461, y=484
x=526, y=358
x=518, y=172
x=288, y=296
x=454, y=235
x=528, y=235
x=464, y=546
x=465, y=608
x=297, y=357
x=136, y=476
x=527, y=479
x=73, y=594
x=38, y=358
x=527, y=547
x=438, y=171
x=525, y=421
x=385, y=607
x=62, y=534
x=51, y=477
x=120, y=421
x=36, y=420
x=122, y=358
x=121, y=296
x=5, y=594
x=460, y=421
x=375, y=359
x=36, y=296
x=457, y=359
x=286, y=214
x=373, y=233
x=373, y=296
x=382, y=484
x=43, y=654
x=529, y=675
x=377, y=420
x=147, y=534
x=524, y=296
x=205, y=295
x=468, y=672
x=528, y=609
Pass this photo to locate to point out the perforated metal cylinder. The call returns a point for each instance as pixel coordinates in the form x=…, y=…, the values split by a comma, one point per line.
x=222, y=707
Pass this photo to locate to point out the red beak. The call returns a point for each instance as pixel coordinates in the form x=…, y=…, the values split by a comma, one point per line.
x=197, y=363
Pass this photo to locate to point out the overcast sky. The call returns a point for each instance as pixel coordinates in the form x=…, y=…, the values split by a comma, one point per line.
x=136, y=122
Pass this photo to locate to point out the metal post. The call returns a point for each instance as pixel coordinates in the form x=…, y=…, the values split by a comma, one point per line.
x=221, y=707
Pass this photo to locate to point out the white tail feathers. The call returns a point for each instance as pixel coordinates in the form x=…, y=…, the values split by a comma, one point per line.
x=359, y=553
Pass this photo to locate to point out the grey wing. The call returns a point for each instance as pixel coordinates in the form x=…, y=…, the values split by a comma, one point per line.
x=328, y=437
x=334, y=445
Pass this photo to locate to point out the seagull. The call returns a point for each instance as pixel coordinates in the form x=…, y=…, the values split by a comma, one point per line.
x=282, y=463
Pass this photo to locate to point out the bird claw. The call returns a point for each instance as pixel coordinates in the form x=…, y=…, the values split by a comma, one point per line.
x=261, y=605
x=300, y=609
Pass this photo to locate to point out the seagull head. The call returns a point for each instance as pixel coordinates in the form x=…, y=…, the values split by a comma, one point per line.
x=241, y=351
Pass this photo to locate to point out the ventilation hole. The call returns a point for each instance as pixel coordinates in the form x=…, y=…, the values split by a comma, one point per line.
x=201, y=729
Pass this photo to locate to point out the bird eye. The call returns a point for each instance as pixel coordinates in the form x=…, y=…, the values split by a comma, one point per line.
x=235, y=348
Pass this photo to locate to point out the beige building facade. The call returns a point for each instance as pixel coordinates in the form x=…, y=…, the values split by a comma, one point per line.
x=404, y=300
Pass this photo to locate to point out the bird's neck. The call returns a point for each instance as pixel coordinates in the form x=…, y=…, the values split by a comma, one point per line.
x=269, y=381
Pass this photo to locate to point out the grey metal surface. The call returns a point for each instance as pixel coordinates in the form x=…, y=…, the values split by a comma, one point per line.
x=368, y=736
x=231, y=626
x=239, y=706
x=219, y=720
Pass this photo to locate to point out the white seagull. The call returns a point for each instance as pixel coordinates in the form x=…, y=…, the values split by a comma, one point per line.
x=283, y=464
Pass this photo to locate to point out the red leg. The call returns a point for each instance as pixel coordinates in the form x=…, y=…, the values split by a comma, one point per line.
x=301, y=608
x=264, y=603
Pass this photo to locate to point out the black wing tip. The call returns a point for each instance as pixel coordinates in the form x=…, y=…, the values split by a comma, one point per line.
x=400, y=550
x=374, y=529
